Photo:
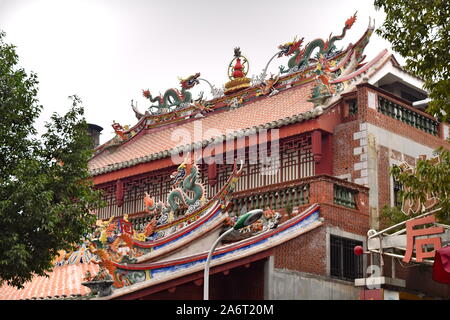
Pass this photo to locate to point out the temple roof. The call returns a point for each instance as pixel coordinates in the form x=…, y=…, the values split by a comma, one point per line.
x=286, y=104
x=301, y=93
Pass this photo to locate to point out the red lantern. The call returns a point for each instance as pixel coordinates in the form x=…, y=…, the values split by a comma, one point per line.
x=358, y=250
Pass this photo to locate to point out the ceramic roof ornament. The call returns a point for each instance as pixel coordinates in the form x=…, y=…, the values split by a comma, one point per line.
x=172, y=97
x=237, y=73
x=301, y=57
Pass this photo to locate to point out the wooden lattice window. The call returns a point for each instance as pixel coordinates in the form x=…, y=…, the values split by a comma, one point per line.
x=295, y=161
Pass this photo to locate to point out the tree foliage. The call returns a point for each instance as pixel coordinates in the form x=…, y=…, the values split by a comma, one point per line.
x=420, y=31
x=428, y=179
x=390, y=216
x=46, y=195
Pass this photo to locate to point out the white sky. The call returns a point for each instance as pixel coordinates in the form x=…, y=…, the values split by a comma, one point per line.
x=107, y=51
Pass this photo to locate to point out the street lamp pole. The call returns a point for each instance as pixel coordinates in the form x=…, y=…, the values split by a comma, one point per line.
x=245, y=220
x=206, y=274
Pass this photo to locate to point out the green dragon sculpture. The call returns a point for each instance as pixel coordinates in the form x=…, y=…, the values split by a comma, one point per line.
x=300, y=58
x=173, y=97
x=184, y=180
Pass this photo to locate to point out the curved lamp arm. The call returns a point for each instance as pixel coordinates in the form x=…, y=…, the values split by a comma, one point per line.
x=243, y=221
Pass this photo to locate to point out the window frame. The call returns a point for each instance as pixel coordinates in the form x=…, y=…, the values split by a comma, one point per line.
x=337, y=232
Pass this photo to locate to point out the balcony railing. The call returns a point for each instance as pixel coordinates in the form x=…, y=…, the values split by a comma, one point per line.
x=286, y=196
x=401, y=113
x=283, y=198
x=344, y=196
x=353, y=107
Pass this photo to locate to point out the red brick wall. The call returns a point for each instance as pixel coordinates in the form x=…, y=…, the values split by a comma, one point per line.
x=307, y=253
x=418, y=278
x=397, y=127
x=346, y=219
x=384, y=178
x=322, y=191
x=384, y=185
x=405, y=130
x=343, y=145
x=380, y=120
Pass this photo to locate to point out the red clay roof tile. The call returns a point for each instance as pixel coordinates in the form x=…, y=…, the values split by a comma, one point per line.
x=64, y=280
x=285, y=104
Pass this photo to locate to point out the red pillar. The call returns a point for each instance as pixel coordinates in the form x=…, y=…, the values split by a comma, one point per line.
x=119, y=193
x=316, y=141
x=322, y=152
x=212, y=174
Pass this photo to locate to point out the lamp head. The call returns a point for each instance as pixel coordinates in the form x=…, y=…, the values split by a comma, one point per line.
x=248, y=218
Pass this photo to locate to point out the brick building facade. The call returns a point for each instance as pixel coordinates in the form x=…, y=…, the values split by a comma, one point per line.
x=353, y=143
x=336, y=132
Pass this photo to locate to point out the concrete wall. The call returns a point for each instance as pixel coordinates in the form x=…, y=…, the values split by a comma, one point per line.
x=294, y=285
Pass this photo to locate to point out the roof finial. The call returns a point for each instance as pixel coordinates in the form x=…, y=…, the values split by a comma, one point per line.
x=237, y=72
x=237, y=52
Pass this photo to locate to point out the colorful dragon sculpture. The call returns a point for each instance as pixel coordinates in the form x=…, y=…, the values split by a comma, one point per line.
x=300, y=58
x=110, y=247
x=184, y=180
x=267, y=87
x=172, y=97
x=333, y=75
x=113, y=241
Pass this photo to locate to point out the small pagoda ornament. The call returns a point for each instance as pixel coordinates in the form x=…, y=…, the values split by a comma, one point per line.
x=237, y=72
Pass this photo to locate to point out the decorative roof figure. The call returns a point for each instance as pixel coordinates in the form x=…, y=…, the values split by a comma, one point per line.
x=173, y=98
x=237, y=73
x=238, y=67
x=301, y=56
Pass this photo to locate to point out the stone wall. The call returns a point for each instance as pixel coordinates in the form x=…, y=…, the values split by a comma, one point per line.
x=294, y=285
